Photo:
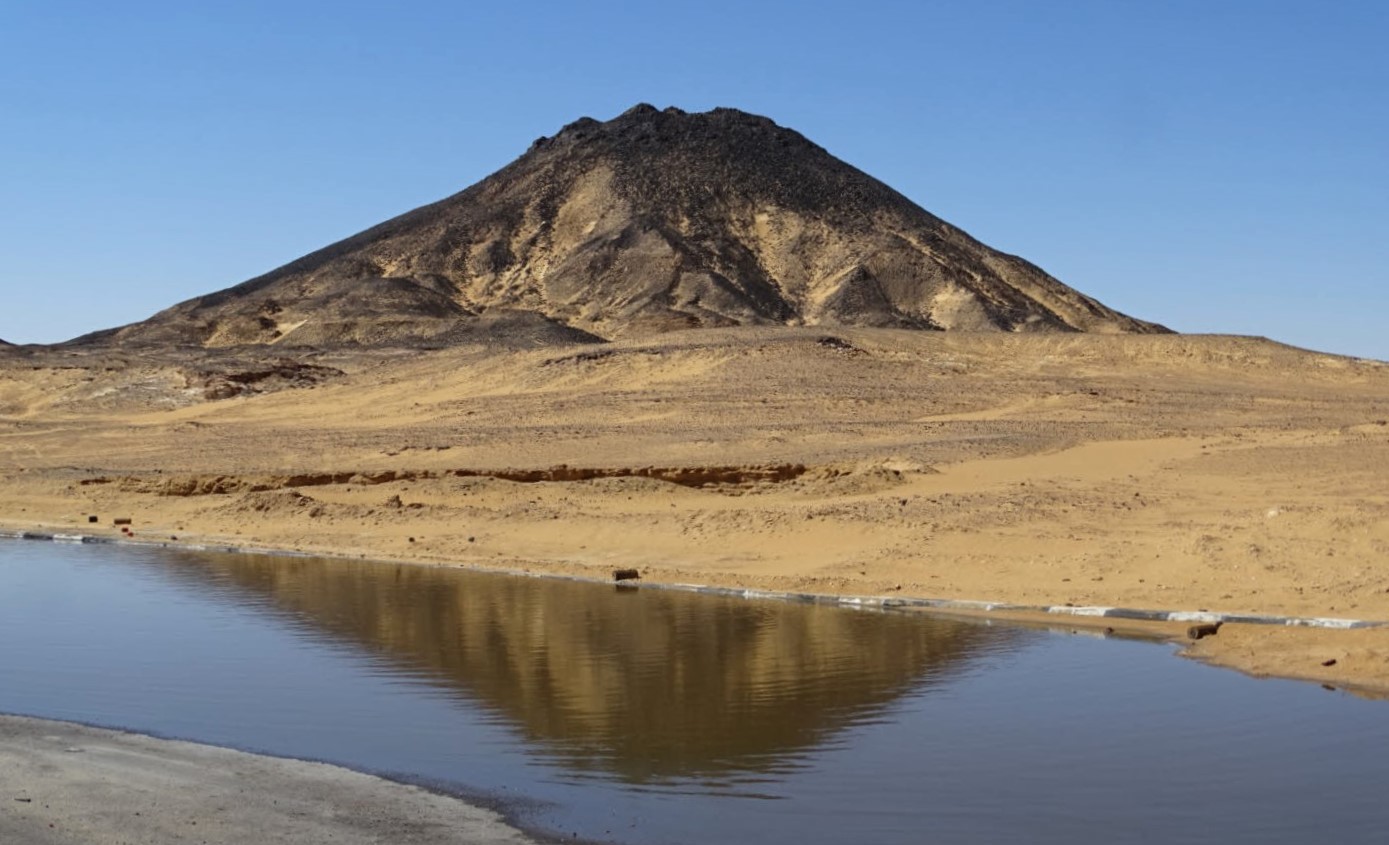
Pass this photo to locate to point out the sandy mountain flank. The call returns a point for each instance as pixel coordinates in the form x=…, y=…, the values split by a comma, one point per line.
x=699, y=346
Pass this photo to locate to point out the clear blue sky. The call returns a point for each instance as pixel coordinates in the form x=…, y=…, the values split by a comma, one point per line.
x=1215, y=166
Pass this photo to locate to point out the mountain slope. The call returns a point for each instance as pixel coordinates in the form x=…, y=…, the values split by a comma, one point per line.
x=653, y=221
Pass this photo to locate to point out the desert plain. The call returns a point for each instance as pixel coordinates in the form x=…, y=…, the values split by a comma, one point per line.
x=1162, y=471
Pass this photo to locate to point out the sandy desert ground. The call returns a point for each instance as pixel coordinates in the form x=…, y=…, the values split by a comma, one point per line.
x=1165, y=472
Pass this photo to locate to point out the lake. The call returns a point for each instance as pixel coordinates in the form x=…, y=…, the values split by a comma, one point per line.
x=657, y=716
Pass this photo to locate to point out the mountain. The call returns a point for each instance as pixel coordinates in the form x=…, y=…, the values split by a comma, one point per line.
x=652, y=221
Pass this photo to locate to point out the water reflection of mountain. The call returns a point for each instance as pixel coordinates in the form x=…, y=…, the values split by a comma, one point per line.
x=643, y=684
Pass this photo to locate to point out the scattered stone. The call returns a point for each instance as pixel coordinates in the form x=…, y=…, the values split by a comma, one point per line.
x=1206, y=629
x=1330, y=662
x=838, y=344
x=93, y=518
x=121, y=520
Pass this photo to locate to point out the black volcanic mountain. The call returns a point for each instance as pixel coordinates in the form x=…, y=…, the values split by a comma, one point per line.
x=653, y=221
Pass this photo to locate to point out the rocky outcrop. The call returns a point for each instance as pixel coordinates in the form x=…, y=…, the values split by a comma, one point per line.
x=685, y=476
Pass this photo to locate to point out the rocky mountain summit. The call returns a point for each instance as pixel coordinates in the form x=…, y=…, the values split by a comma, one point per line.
x=650, y=222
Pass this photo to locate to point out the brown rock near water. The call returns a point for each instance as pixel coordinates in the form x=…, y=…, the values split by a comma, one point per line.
x=653, y=221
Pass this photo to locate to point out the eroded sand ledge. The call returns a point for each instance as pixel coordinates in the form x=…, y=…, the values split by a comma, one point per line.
x=66, y=784
x=1187, y=473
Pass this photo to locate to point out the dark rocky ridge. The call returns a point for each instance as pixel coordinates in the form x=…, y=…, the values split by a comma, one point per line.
x=653, y=221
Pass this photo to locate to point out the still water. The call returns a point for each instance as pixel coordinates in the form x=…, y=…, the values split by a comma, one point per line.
x=648, y=716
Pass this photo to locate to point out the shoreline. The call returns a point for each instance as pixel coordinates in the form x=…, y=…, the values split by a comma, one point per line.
x=66, y=783
x=1169, y=626
x=983, y=606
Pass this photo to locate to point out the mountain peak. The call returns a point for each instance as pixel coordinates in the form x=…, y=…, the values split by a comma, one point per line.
x=657, y=219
